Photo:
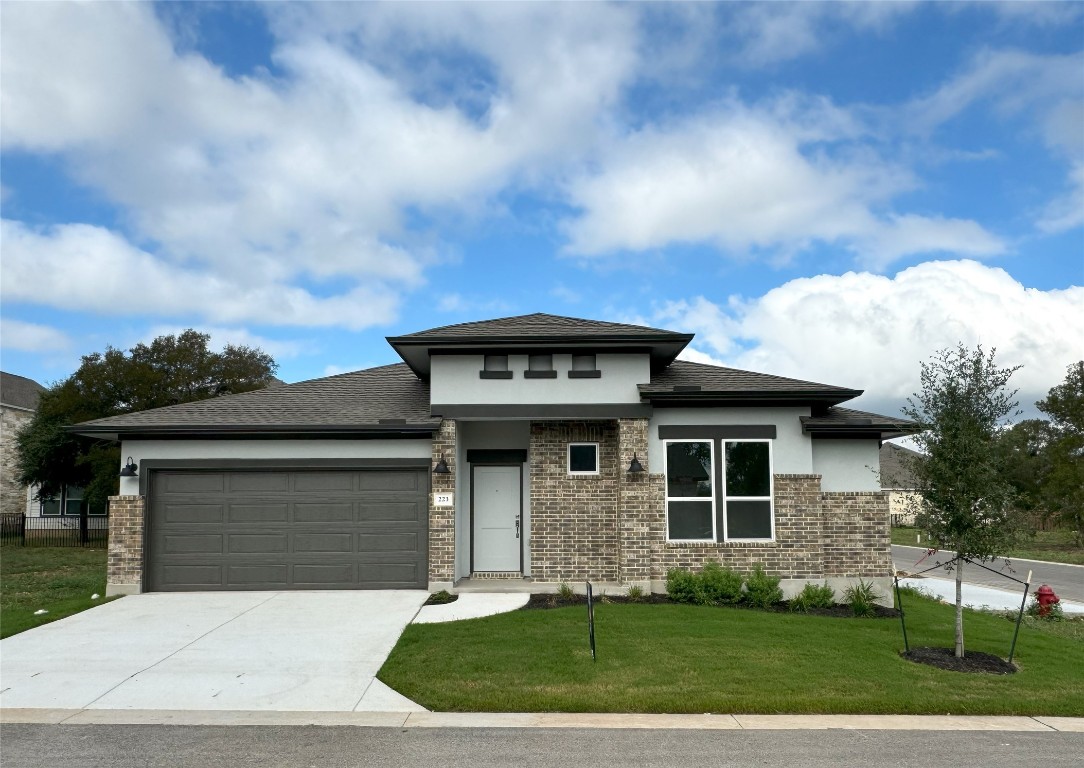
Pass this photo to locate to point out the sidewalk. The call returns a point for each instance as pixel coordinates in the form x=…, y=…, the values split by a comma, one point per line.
x=977, y=596
x=545, y=720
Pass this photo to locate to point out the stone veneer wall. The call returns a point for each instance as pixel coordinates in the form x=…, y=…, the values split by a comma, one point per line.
x=124, y=570
x=573, y=517
x=442, y=519
x=12, y=493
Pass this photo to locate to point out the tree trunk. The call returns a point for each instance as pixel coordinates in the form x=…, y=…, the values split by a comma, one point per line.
x=959, y=609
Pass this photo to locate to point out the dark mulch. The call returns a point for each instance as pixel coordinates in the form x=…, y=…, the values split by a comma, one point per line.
x=538, y=602
x=441, y=598
x=973, y=661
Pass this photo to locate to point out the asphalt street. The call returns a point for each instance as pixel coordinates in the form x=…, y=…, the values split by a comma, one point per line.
x=154, y=746
x=1066, y=580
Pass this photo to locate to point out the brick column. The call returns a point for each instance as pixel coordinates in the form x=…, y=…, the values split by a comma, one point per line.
x=124, y=572
x=638, y=507
x=442, y=519
x=857, y=540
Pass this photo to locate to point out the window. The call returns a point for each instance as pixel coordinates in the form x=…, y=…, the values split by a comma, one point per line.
x=495, y=367
x=583, y=458
x=739, y=510
x=540, y=367
x=67, y=504
x=584, y=367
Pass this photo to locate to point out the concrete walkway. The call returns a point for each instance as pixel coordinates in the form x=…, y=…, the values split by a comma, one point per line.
x=546, y=720
x=472, y=605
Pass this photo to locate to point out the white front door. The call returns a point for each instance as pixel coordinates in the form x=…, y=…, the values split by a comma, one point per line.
x=496, y=502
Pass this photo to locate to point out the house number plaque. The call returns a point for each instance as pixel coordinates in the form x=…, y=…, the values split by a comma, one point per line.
x=443, y=499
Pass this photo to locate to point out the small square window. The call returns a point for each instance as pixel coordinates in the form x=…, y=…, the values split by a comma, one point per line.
x=540, y=362
x=583, y=458
x=496, y=362
x=583, y=362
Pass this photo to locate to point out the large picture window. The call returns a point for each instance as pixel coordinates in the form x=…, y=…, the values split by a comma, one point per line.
x=725, y=499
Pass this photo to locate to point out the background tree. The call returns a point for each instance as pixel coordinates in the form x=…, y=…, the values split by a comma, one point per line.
x=172, y=369
x=1062, y=478
x=965, y=501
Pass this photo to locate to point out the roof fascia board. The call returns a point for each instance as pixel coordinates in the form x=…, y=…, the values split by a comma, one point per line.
x=221, y=431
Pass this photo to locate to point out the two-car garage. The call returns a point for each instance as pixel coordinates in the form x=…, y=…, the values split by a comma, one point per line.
x=286, y=529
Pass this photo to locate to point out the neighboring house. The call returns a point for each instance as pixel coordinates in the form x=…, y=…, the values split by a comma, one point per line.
x=503, y=449
x=898, y=482
x=18, y=402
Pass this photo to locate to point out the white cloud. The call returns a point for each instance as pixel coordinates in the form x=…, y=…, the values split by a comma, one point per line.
x=91, y=268
x=32, y=337
x=239, y=337
x=758, y=179
x=871, y=332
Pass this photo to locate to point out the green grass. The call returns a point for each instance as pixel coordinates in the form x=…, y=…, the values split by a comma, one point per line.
x=58, y=579
x=683, y=658
x=1049, y=546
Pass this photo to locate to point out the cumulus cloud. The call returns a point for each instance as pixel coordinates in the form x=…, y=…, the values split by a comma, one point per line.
x=871, y=331
x=758, y=178
x=32, y=337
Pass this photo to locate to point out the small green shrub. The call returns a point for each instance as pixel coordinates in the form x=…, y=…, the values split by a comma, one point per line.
x=636, y=593
x=762, y=590
x=721, y=586
x=685, y=587
x=1054, y=614
x=813, y=596
x=441, y=598
x=861, y=597
x=564, y=591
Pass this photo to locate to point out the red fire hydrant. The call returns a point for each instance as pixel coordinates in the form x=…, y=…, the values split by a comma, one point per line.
x=1046, y=598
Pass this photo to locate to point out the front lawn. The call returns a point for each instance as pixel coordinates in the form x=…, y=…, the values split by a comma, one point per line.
x=682, y=658
x=57, y=579
x=1049, y=546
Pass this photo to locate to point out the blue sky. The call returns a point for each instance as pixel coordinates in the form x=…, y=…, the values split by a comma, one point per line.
x=825, y=191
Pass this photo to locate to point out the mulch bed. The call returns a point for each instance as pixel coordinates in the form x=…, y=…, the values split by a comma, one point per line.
x=973, y=661
x=544, y=601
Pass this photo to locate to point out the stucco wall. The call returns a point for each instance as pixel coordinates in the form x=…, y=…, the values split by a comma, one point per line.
x=847, y=465
x=792, y=452
x=455, y=381
x=13, y=495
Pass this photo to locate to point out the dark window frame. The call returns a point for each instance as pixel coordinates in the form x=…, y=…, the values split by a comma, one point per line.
x=582, y=473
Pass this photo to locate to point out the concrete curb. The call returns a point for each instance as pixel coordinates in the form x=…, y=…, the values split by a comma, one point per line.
x=544, y=720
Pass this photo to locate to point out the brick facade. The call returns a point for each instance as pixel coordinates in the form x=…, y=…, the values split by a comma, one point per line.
x=124, y=571
x=442, y=519
x=573, y=517
x=12, y=493
x=639, y=515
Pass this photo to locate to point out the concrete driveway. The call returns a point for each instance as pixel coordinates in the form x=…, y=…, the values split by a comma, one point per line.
x=296, y=651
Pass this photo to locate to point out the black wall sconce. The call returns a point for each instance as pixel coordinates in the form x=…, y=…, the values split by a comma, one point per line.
x=129, y=469
x=635, y=467
x=441, y=467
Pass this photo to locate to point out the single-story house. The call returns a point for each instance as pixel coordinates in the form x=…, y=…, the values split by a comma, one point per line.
x=537, y=449
x=898, y=481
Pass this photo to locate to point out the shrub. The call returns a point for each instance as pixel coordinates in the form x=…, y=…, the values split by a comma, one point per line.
x=813, y=596
x=1054, y=614
x=762, y=590
x=721, y=586
x=861, y=597
x=564, y=591
x=441, y=598
x=685, y=587
x=636, y=593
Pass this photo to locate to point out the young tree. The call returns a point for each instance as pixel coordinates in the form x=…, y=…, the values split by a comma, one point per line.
x=1062, y=481
x=965, y=500
x=172, y=369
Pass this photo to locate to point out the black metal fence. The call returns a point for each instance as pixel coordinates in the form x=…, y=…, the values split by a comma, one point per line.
x=69, y=531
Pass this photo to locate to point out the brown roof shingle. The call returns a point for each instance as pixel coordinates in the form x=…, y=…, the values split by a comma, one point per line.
x=538, y=324
x=19, y=391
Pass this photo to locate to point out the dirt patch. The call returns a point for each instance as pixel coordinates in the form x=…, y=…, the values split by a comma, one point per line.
x=544, y=601
x=973, y=661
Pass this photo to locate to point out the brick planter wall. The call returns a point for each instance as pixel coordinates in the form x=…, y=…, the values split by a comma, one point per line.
x=573, y=518
x=442, y=519
x=124, y=569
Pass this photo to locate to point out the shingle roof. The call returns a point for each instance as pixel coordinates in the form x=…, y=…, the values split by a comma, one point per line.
x=895, y=472
x=538, y=324
x=684, y=376
x=19, y=391
x=376, y=398
x=845, y=421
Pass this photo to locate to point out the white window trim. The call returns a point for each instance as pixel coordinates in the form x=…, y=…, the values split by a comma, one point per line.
x=666, y=492
x=770, y=498
x=568, y=461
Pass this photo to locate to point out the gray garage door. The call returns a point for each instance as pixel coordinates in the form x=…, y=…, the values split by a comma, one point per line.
x=335, y=529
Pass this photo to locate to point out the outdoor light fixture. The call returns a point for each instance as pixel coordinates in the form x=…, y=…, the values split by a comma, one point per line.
x=635, y=466
x=129, y=469
x=442, y=467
